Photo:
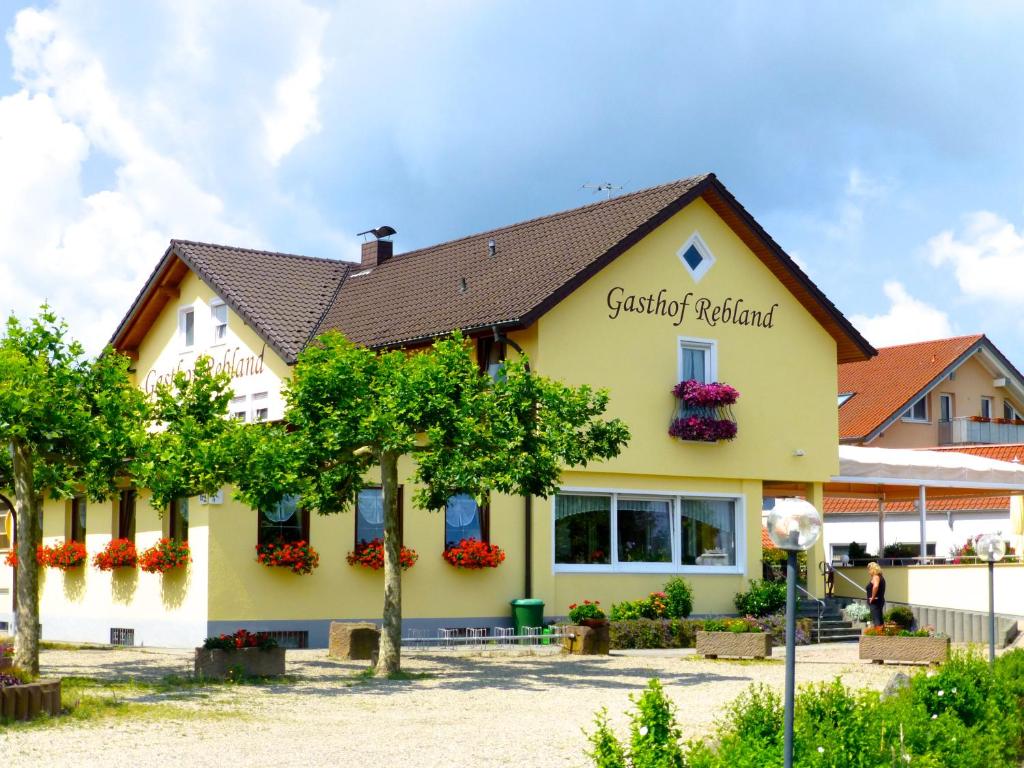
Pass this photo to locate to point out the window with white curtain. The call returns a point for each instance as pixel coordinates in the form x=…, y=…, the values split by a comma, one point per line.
x=627, y=531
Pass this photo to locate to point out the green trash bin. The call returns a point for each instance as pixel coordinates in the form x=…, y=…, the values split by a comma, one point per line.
x=527, y=613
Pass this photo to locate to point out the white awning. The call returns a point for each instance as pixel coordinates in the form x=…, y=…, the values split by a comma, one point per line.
x=933, y=469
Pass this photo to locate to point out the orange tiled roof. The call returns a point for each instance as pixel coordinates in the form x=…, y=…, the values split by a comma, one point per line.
x=1006, y=452
x=885, y=385
x=766, y=539
x=838, y=506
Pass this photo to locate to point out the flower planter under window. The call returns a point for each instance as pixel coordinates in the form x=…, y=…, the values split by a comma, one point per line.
x=370, y=554
x=119, y=553
x=70, y=554
x=711, y=645
x=298, y=556
x=472, y=554
x=704, y=413
x=165, y=556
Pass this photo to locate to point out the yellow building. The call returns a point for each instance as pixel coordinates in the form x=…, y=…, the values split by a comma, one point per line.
x=634, y=294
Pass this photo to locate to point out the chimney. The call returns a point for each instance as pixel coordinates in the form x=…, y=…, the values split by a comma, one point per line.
x=376, y=252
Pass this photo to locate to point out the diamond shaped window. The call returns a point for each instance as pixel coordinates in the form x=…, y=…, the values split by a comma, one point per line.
x=696, y=256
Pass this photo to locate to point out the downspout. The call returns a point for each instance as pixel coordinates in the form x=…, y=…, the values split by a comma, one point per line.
x=527, y=499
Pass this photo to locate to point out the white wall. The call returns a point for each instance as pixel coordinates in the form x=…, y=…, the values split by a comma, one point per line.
x=842, y=529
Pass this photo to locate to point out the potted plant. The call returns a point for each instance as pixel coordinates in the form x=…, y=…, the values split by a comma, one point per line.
x=119, y=553
x=588, y=633
x=473, y=554
x=891, y=642
x=164, y=556
x=370, y=554
x=249, y=654
x=65, y=556
x=587, y=614
x=704, y=413
x=733, y=637
x=299, y=556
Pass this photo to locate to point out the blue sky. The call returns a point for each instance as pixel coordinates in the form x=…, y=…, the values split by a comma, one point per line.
x=878, y=143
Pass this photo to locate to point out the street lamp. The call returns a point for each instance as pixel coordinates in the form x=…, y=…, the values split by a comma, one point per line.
x=794, y=525
x=991, y=549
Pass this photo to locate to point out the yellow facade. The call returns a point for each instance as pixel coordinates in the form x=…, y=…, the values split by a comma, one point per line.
x=784, y=368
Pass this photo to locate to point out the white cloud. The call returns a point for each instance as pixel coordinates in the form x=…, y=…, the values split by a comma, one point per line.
x=987, y=257
x=908, y=320
x=861, y=191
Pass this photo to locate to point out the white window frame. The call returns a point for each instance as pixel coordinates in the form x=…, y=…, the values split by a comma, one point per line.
x=989, y=402
x=708, y=258
x=182, y=313
x=216, y=324
x=675, y=566
x=239, y=407
x=710, y=348
x=260, y=402
x=1014, y=413
x=945, y=396
x=912, y=419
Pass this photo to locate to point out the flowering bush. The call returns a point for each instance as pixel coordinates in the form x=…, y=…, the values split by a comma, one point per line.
x=857, y=612
x=970, y=549
x=165, y=555
x=738, y=626
x=119, y=553
x=371, y=555
x=297, y=555
x=588, y=609
x=6, y=681
x=703, y=429
x=697, y=394
x=243, y=638
x=891, y=629
x=472, y=553
x=70, y=554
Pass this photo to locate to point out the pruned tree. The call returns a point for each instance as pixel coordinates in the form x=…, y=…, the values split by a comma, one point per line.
x=68, y=424
x=350, y=409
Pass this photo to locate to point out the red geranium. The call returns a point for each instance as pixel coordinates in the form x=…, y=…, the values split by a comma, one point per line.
x=243, y=638
x=472, y=553
x=165, y=555
x=371, y=555
x=119, y=553
x=70, y=554
x=11, y=558
x=297, y=555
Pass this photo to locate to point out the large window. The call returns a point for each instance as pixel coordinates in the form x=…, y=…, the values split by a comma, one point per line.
x=464, y=519
x=370, y=515
x=76, y=529
x=126, y=514
x=647, y=532
x=285, y=521
x=177, y=520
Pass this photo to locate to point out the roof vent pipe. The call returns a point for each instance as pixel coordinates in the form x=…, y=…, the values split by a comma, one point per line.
x=492, y=247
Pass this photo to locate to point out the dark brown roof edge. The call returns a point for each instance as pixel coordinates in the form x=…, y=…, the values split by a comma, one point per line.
x=146, y=289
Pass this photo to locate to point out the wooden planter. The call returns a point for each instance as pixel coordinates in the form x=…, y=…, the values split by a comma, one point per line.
x=253, y=662
x=757, y=645
x=27, y=702
x=909, y=650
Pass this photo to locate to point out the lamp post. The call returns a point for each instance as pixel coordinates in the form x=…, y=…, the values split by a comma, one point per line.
x=794, y=525
x=991, y=549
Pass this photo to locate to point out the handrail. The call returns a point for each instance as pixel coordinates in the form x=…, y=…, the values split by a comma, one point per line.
x=821, y=608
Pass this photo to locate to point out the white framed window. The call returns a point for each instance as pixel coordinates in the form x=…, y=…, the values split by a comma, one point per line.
x=945, y=407
x=1009, y=412
x=986, y=407
x=260, y=406
x=647, y=532
x=238, y=409
x=187, y=327
x=219, y=319
x=696, y=256
x=698, y=359
x=918, y=411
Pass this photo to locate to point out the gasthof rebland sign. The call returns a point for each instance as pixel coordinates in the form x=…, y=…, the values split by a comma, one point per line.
x=677, y=307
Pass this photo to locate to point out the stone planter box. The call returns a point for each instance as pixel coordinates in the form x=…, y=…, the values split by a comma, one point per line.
x=909, y=650
x=27, y=702
x=215, y=663
x=711, y=645
x=586, y=641
x=352, y=640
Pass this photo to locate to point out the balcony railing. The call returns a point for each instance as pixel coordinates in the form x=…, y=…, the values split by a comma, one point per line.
x=966, y=430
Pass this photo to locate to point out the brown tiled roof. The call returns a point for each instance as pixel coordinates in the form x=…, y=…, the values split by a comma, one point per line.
x=884, y=386
x=417, y=296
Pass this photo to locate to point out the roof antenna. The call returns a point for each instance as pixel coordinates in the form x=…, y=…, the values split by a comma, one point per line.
x=606, y=186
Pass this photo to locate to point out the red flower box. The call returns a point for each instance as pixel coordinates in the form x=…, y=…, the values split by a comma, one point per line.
x=119, y=553
x=474, y=554
x=370, y=554
x=70, y=554
x=164, y=556
x=11, y=558
x=297, y=555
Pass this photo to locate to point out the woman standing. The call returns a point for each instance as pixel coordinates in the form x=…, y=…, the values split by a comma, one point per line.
x=875, y=590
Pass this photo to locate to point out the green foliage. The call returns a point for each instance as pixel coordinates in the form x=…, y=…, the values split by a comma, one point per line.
x=607, y=750
x=761, y=598
x=679, y=595
x=653, y=735
x=682, y=633
x=901, y=616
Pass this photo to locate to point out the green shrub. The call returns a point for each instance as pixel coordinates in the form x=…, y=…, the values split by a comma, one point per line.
x=901, y=616
x=653, y=735
x=630, y=609
x=653, y=633
x=679, y=595
x=762, y=598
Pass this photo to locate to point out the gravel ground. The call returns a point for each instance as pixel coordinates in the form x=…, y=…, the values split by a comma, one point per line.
x=525, y=710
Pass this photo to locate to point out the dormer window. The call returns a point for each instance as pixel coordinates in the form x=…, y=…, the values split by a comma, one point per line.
x=219, y=316
x=187, y=327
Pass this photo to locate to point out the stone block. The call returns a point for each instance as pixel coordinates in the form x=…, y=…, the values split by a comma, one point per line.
x=908, y=650
x=586, y=641
x=757, y=645
x=351, y=640
x=252, y=662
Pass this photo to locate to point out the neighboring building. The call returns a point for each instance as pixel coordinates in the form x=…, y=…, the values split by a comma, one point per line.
x=960, y=394
x=633, y=294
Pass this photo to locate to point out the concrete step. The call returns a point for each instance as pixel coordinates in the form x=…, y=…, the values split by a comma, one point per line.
x=837, y=632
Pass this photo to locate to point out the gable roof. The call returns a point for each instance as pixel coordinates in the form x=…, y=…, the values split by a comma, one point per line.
x=883, y=387
x=415, y=297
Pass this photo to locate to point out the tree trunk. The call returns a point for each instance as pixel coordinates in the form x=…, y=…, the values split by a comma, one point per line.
x=26, y=506
x=389, y=660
